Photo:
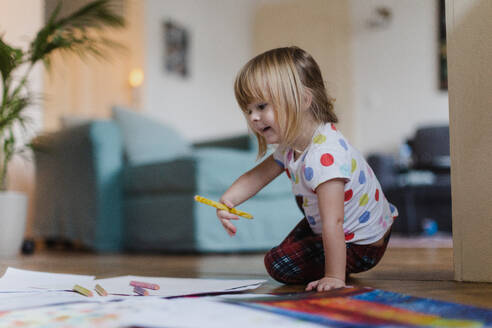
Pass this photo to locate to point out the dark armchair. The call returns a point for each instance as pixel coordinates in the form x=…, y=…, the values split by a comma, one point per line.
x=421, y=190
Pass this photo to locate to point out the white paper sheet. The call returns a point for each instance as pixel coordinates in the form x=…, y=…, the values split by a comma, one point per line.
x=23, y=289
x=19, y=301
x=206, y=312
x=150, y=312
x=17, y=280
x=10, y=301
x=176, y=286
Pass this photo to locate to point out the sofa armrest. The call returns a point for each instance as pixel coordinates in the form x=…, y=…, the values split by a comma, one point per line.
x=78, y=192
x=176, y=176
x=241, y=142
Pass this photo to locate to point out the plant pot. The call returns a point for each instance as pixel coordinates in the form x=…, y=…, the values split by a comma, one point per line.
x=13, y=211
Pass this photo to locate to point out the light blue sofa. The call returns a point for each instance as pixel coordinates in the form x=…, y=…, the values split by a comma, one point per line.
x=128, y=184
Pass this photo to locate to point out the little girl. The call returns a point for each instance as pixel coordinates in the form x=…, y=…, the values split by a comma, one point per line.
x=347, y=220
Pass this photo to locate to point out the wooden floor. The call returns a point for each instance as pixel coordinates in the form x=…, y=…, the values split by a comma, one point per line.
x=414, y=271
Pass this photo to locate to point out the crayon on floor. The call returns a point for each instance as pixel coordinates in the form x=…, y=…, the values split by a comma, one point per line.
x=144, y=285
x=101, y=291
x=140, y=291
x=221, y=206
x=81, y=290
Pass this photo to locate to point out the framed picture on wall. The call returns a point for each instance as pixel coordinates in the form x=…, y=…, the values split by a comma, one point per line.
x=176, y=48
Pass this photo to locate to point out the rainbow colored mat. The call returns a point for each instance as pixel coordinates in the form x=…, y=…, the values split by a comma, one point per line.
x=367, y=307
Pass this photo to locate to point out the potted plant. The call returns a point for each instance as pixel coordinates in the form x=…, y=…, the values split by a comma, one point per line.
x=77, y=33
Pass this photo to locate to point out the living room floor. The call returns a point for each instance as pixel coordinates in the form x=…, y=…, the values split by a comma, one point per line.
x=422, y=272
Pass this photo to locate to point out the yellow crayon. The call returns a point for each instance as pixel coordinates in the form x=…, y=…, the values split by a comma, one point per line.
x=101, y=291
x=221, y=206
x=81, y=290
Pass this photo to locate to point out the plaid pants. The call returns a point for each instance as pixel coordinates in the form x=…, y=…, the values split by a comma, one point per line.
x=300, y=258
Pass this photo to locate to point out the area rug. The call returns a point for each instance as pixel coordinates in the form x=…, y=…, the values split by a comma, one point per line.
x=367, y=307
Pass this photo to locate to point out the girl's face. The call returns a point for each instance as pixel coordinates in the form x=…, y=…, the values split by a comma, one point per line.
x=262, y=119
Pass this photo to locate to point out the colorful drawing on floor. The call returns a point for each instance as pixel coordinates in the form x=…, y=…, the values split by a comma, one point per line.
x=366, y=307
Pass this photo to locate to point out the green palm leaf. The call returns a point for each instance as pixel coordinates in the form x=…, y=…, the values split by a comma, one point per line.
x=10, y=58
x=13, y=111
x=74, y=32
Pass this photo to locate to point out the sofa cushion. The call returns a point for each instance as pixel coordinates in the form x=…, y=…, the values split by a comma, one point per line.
x=175, y=176
x=148, y=141
x=207, y=170
x=176, y=223
x=217, y=169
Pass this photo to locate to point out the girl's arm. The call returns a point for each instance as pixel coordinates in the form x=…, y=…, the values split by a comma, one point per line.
x=245, y=187
x=331, y=206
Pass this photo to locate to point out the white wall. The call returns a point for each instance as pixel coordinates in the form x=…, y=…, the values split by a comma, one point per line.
x=203, y=105
x=396, y=73
x=323, y=29
x=394, y=79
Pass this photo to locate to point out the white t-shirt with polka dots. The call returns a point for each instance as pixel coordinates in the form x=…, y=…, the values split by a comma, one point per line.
x=367, y=213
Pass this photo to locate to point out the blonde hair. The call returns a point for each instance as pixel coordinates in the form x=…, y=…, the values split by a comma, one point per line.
x=283, y=77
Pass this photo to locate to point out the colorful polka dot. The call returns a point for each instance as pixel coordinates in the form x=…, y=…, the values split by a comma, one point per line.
x=348, y=195
x=280, y=163
x=319, y=139
x=311, y=220
x=333, y=127
x=354, y=165
x=327, y=159
x=305, y=202
x=296, y=180
x=365, y=217
x=362, y=177
x=376, y=195
x=308, y=173
x=364, y=199
x=349, y=236
x=288, y=173
x=345, y=170
x=343, y=144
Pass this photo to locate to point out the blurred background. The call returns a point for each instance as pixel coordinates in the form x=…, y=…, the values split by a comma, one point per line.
x=382, y=61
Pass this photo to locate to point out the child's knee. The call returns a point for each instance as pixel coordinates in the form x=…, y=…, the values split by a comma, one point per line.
x=280, y=269
x=269, y=262
x=273, y=266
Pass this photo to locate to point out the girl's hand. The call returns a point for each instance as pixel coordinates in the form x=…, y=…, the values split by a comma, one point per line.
x=326, y=283
x=226, y=217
